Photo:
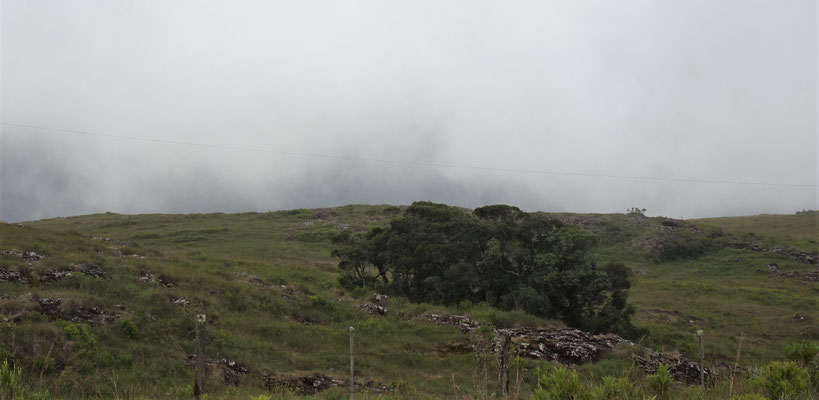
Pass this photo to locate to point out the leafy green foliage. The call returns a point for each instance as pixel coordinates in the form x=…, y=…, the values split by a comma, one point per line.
x=783, y=381
x=802, y=352
x=129, y=328
x=660, y=382
x=612, y=388
x=677, y=245
x=500, y=255
x=559, y=383
x=10, y=379
x=81, y=335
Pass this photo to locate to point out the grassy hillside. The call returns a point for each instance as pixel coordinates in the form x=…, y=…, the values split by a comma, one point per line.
x=799, y=230
x=124, y=325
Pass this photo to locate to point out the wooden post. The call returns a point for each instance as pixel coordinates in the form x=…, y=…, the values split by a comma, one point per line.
x=702, y=359
x=199, y=383
x=503, y=366
x=736, y=366
x=352, y=367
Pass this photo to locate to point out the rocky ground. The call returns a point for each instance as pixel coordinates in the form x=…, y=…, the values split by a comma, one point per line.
x=572, y=347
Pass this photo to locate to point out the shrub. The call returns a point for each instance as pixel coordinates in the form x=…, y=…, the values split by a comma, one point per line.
x=783, y=381
x=680, y=246
x=559, y=383
x=499, y=254
x=235, y=300
x=660, y=382
x=129, y=328
x=612, y=389
x=801, y=352
x=43, y=363
x=81, y=335
x=10, y=379
x=40, y=395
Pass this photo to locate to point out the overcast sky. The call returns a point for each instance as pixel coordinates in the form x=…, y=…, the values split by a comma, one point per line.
x=686, y=108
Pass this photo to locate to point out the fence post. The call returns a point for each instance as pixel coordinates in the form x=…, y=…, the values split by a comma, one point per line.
x=352, y=368
x=735, y=367
x=503, y=365
x=199, y=382
x=702, y=359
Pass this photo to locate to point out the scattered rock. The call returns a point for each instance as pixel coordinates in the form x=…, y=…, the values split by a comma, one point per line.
x=251, y=279
x=464, y=323
x=786, y=252
x=57, y=309
x=28, y=276
x=147, y=277
x=181, y=302
x=54, y=275
x=88, y=269
x=309, y=383
x=668, y=225
x=32, y=256
x=378, y=298
x=373, y=309
x=119, y=253
x=12, y=276
x=567, y=346
x=288, y=292
x=571, y=346
x=670, y=222
x=29, y=256
x=228, y=371
x=681, y=370
x=812, y=276
x=107, y=239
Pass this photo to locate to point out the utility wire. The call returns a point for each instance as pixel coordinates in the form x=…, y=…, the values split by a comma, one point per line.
x=395, y=162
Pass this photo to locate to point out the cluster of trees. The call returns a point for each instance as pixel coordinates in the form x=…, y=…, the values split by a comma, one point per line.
x=498, y=254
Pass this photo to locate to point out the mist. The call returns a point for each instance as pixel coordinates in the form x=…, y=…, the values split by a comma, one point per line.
x=685, y=108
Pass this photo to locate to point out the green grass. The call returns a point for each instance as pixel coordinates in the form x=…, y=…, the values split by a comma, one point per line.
x=728, y=292
x=799, y=230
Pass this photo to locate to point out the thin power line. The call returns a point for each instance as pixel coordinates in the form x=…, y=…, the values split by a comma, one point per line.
x=395, y=162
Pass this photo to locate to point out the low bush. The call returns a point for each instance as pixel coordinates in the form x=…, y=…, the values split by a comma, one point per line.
x=559, y=383
x=783, y=381
x=612, y=388
x=128, y=328
x=81, y=335
x=801, y=352
x=660, y=382
x=10, y=379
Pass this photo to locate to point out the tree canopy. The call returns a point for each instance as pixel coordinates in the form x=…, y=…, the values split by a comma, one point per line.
x=498, y=254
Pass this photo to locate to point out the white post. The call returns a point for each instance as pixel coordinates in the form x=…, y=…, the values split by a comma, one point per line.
x=702, y=359
x=199, y=383
x=352, y=368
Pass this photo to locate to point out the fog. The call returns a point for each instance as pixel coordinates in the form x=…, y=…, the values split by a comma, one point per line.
x=686, y=108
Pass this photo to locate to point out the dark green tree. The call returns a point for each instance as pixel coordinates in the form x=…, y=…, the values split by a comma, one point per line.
x=498, y=254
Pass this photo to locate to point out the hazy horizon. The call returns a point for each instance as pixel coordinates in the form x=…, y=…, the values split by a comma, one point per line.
x=686, y=108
